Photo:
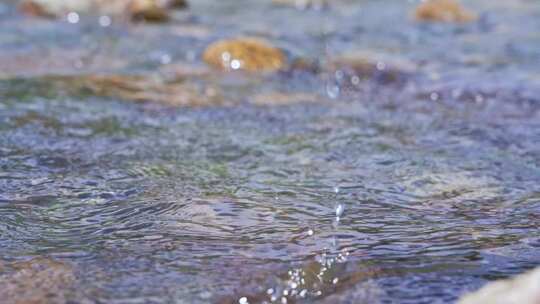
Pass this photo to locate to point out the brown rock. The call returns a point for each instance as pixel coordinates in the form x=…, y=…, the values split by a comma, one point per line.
x=523, y=289
x=443, y=11
x=176, y=4
x=40, y=280
x=384, y=69
x=282, y=99
x=248, y=54
x=147, y=10
x=139, y=89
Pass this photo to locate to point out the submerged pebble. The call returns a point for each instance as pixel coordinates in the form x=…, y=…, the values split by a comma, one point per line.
x=35, y=280
x=443, y=11
x=250, y=54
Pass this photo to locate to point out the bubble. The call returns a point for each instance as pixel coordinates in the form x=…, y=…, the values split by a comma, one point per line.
x=381, y=66
x=270, y=291
x=335, y=281
x=283, y=300
x=73, y=17
x=105, y=21
x=336, y=190
x=355, y=80
x=310, y=232
x=479, y=98
x=235, y=64
x=165, y=59
x=226, y=56
x=303, y=293
x=434, y=96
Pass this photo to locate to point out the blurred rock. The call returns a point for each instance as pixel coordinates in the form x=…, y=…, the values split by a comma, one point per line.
x=357, y=66
x=443, y=11
x=39, y=280
x=147, y=10
x=248, y=54
x=282, y=99
x=302, y=4
x=137, y=88
x=522, y=289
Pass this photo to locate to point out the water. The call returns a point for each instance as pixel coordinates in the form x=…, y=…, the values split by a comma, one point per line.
x=376, y=192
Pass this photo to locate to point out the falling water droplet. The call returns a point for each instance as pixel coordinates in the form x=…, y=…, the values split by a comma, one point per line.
x=339, y=210
x=332, y=90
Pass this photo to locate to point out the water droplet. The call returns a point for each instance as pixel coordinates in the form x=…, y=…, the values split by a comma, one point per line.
x=332, y=90
x=339, y=210
x=165, y=59
x=478, y=98
x=243, y=300
x=73, y=17
x=105, y=21
x=226, y=56
x=235, y=64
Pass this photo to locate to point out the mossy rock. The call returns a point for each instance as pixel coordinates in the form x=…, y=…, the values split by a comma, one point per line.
x=443, y=11
x=249, y=54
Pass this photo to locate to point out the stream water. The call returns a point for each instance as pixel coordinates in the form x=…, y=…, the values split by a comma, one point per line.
x=408, y=192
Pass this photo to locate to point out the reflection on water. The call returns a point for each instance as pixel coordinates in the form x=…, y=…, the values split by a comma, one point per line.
x=385, y=193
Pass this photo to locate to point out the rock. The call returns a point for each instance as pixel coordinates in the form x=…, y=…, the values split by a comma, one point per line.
x=139, y=89
x=302, y=4
x=282, y=99
x=40, y=280
x=177, y=4
x=363, y=65
x=522, y=289
x=248, y=54
x=443, y=11
x=147, y=10
x=54, y=8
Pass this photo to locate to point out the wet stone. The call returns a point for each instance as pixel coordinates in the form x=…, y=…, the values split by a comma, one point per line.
x=443, y=11
x=352, y=68
x=249, y=54
x=40, y=280
x=137, y=10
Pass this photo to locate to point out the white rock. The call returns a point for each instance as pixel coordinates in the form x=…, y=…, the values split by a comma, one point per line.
x=522, y=289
